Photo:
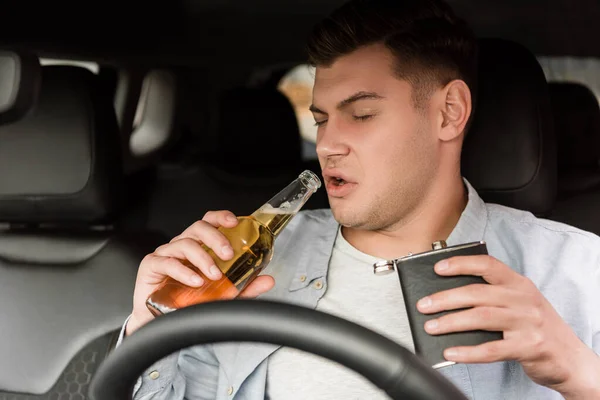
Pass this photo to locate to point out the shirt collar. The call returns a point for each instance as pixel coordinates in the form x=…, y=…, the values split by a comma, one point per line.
x=473, y=220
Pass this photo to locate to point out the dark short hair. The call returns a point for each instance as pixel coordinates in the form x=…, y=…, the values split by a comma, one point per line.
x=431, y=44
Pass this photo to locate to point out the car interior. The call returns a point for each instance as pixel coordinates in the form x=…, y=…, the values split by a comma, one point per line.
x=114, y=137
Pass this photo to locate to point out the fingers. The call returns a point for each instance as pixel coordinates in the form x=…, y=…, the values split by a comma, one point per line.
x=221, y=218
x=489, y=268
x=158, y=267
x=468, y=296
x=260, y=285
x=478, y=318
x=204, y=232
x=188, y=245
x=497, y=350
x=190, y=250
x=215, y=219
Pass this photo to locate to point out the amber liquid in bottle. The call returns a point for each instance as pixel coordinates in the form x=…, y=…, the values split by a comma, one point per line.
x=252, y=241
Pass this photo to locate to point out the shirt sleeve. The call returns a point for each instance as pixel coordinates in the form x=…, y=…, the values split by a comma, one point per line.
x=187, y=374
x=122, y=334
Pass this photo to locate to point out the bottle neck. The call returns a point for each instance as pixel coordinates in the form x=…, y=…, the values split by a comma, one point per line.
x=279, y=211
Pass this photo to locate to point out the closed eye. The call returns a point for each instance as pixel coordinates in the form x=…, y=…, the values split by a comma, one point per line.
x=362, y=117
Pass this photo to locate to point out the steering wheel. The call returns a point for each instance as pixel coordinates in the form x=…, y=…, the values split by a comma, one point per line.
x=389, y=366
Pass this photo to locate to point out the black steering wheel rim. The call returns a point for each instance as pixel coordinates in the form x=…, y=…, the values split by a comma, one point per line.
x=389, y=366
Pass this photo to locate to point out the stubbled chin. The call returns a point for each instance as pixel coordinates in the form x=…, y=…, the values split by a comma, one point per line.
x=343, y=212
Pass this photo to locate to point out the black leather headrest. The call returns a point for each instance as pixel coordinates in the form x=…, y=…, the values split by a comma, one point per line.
x=257, y=128
x=61, y=162
x=20, y=77
x=577, y=125
x=509, y=154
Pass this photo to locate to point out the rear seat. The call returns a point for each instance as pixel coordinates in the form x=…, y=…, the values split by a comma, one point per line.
x=577, y=124
x=66, y=271
x=253, y=153
x=509, y=154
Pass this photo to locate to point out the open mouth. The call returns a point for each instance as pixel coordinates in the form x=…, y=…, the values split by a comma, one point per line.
x=338, y=184
x=338, y=181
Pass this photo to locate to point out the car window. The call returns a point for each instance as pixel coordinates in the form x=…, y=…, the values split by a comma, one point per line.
x=573, y=69
x=297, y=85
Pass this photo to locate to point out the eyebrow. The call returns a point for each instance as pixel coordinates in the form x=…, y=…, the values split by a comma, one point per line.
x=362, y=95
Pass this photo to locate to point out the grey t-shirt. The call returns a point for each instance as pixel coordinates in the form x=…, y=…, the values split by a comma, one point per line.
x=356, y=294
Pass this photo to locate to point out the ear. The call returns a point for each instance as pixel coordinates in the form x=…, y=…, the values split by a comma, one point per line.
x=456, y=110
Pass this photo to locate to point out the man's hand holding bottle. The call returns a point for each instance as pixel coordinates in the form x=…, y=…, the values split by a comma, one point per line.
x=168, y=261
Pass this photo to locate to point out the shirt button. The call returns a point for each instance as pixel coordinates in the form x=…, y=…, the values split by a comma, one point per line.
x=303, y=278
x=230, y=390
x=154, y=375
x=318, y=285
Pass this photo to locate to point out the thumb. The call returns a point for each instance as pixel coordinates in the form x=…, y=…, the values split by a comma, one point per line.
x=260, y=285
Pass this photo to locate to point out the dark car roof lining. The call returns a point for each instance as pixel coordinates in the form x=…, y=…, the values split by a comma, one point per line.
x=265, y=32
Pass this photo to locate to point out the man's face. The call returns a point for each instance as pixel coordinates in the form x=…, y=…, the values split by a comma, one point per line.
x=372, y=137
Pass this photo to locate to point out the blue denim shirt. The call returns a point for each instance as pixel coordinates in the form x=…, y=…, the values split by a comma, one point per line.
x=563, y=262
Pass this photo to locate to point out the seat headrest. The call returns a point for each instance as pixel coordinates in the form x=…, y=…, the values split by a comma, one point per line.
x=61, y=162
x=257, y=128
x=577, y=125
x=20, y=78
x=509, y=153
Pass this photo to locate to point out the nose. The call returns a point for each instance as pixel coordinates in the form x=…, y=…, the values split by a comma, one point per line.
x=330, y=141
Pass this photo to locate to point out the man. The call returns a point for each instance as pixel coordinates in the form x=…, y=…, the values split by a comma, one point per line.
x=392, y=99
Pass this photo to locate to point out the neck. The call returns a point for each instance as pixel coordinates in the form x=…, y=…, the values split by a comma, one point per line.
x=434, y=219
